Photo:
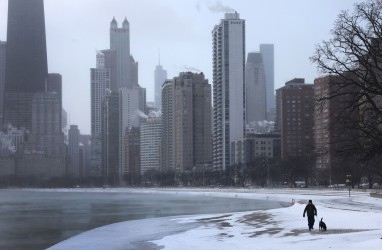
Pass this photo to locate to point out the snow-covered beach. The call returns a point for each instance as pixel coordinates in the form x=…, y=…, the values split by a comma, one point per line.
x=353, y=222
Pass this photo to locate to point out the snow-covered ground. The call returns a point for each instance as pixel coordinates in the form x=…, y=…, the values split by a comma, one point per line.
x=353, y=222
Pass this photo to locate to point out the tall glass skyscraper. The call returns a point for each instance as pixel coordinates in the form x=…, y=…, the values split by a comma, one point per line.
x=120, y=41
x=229, y=87
x=26, y=68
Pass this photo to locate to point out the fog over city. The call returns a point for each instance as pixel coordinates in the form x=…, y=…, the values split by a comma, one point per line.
x=180, y=31
x=190, y=124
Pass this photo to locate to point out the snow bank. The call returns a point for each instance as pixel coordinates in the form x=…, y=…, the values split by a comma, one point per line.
x=353, y=222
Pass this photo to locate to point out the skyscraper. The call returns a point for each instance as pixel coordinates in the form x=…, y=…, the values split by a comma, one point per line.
x=132, y=155
x=132, y=104
x=133, y=72
x=2, y=79
x=229, y=87
x=255, y=84
x=192, y=116
x=186, y=119
x=55, y=85
x=26, y=62
x=120, y=41
x=44, y=154
x=111, y=169
x=168, y=123
x=74, y=152
x=267, y=52
x=150, y=143
x=85, y=140
x=160, y=75
x=101, y=82
x=107, y=59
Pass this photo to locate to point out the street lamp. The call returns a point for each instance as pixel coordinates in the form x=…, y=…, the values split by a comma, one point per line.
x=349, y=182
x=269, y=183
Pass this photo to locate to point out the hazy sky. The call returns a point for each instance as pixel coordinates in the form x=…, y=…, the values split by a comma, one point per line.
x=181, y=30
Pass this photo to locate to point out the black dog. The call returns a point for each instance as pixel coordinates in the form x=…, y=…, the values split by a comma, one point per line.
x=322, y=225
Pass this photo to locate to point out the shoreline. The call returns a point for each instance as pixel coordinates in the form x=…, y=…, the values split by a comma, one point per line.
x=241, y=230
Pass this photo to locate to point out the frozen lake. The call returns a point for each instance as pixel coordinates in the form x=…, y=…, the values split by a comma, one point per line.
x=37, y=219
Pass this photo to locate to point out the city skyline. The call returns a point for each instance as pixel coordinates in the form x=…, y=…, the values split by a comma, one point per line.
x=182, y=32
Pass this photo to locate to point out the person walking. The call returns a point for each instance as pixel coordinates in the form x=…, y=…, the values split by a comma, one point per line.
x=310, y=211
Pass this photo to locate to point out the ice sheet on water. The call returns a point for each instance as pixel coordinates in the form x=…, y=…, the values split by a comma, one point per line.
x=125, y=235
x=353, y=223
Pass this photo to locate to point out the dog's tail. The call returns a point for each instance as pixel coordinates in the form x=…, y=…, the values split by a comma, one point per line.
x=321, y=219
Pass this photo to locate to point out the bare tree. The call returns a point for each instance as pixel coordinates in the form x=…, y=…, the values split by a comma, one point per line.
x=354, y=54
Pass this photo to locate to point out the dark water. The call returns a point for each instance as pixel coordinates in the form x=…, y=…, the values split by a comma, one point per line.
x=39, y=219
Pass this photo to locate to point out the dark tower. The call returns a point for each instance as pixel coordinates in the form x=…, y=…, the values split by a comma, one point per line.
x=26, y=63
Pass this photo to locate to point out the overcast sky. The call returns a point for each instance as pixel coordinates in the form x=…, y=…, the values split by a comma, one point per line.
x=181, y=30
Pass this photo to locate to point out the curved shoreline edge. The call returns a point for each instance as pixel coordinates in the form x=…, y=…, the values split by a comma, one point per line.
x=172, y=229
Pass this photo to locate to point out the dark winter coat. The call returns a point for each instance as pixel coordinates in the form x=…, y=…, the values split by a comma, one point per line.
x=310, y=210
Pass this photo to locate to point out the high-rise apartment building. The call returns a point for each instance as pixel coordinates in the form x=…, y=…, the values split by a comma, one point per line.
x=26, y=62
x=46, y=122
x=229, y=87
x=255, y=85
x=132, y=111
x=120, y=41
x=334, y=129
x=2, y=79
x=55, y=85
x=150, y=144
x=188, y=122
x=294, y=119
x=85, y=142
x=267, y=52
x=132, y=106
x=111, y=169
x=160, y=75
x=101, y=82
x=168, y=123
x=74, y=152
x=133, y=156
x=44, y=154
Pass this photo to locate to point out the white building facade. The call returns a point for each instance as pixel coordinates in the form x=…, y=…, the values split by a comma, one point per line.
x=151, y=137
x=228, y=87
